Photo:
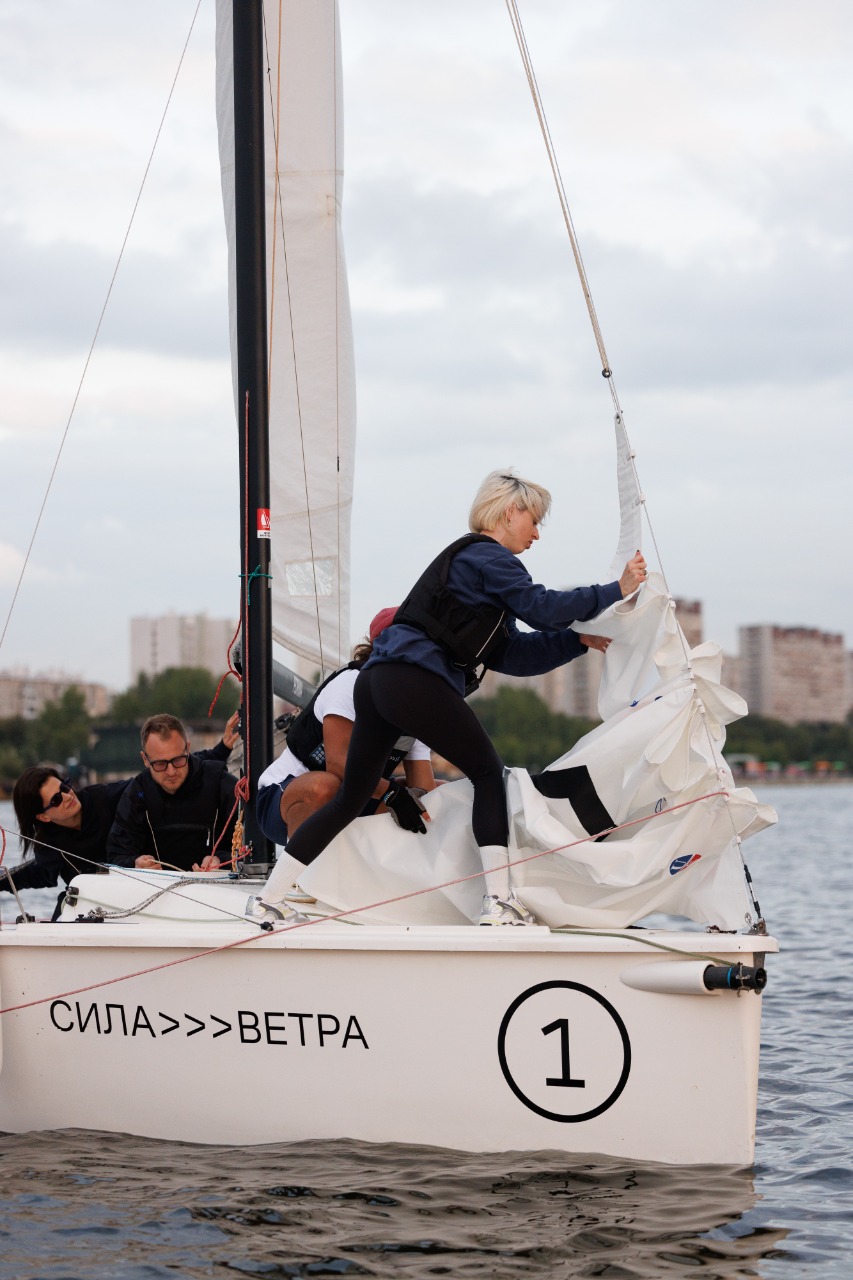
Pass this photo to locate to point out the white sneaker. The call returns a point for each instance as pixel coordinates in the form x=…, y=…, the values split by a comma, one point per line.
x=504, y=911
x=295, y=894
x=265, y=913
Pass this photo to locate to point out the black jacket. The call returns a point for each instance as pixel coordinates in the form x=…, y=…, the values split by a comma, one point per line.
x=53, y=856
x=180, y=829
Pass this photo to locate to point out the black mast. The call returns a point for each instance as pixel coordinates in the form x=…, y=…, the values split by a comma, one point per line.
x=253, y=405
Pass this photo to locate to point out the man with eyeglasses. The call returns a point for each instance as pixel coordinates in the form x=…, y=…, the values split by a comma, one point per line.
x=180, y=812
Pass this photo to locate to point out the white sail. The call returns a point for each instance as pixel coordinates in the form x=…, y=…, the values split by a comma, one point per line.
x=312, y=383
x=630, y=502
x=653, y=767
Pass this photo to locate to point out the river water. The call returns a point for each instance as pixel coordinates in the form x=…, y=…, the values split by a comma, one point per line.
x=77, y=1204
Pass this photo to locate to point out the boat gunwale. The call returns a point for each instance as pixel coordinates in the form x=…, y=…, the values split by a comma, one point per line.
x=337, y=936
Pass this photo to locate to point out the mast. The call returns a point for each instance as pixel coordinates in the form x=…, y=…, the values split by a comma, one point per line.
x=253, y=406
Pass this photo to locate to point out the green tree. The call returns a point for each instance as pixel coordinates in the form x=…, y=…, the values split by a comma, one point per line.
x=185, y=692
x=62, y=728
x=790, y=743
x=12, y=762
x=524, y=730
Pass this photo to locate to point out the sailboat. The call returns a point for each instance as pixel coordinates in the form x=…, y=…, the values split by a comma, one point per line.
x=390, y=1016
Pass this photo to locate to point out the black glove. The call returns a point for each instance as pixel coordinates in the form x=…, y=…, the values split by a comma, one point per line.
x=405, y=808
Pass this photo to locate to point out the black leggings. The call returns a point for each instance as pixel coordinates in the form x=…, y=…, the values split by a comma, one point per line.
x=394, y=698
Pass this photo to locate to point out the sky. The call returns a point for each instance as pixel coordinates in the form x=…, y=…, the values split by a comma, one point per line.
x=707, y=153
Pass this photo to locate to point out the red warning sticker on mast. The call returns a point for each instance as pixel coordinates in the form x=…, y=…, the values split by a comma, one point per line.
x=263, y=522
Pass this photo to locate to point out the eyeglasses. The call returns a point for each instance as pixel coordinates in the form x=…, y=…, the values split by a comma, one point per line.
x=160, y=766
x=56, y=799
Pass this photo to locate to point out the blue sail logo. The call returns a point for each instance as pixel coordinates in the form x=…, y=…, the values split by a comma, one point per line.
x=678, y=864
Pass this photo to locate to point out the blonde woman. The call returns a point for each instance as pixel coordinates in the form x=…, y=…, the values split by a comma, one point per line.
x=460, y=617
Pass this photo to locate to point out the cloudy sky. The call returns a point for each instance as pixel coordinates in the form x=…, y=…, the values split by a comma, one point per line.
x=706, y=152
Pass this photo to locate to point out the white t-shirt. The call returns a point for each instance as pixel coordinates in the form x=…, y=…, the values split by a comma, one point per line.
x=334, y=700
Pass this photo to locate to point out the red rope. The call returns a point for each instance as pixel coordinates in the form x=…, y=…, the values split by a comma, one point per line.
x=352, y=911
x=231, y=671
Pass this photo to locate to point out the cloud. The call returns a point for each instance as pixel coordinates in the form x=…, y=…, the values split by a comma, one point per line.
x=505, y=304
x=11, y=563
x=51, y=296
x=708, y=158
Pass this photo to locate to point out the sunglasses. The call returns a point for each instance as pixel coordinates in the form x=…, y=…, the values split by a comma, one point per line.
x=56, y=799
x=160, y=766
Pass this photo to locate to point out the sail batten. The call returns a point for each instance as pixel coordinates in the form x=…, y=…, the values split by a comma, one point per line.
x=312, y=380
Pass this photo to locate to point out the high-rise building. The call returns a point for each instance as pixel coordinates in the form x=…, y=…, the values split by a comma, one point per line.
x=179, y=640
x=794, y=674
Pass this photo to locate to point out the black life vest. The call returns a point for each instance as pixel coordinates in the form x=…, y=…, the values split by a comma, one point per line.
x=470, y=634
x=305, y=733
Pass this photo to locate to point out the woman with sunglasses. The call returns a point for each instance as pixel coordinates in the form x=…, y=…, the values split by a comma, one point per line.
x=55, y=823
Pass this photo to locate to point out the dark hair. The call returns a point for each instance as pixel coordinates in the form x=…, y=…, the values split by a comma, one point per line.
x=362, y=652
x=28, y=802
x=161, y=726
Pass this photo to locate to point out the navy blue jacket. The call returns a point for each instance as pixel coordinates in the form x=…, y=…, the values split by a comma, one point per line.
x=488, y=573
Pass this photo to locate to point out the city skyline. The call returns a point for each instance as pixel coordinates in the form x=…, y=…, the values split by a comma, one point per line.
x=705, y=155
x=157, y=642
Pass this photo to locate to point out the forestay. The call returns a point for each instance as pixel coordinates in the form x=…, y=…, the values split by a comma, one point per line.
x=312, y=385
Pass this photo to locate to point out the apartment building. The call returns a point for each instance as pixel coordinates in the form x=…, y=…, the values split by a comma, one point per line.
x=179, y=640
x=25, y=695
x=795, y=674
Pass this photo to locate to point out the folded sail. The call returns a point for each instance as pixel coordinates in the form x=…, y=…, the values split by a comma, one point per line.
x=312, y=384
x=653, y=768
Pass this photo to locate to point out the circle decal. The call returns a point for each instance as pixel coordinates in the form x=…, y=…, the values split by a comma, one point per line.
x=564, y=1051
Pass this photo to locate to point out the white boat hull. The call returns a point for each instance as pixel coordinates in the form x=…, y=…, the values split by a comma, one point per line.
x=476, y=1039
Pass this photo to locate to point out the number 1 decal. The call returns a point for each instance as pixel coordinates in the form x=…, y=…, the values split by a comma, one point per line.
x=562, y=1025
x=585, y=1028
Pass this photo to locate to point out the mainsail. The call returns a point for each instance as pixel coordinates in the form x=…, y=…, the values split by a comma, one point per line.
x=312, y=382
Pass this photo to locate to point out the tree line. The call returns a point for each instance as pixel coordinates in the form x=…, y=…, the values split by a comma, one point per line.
x=63, y=729
x=525, y=731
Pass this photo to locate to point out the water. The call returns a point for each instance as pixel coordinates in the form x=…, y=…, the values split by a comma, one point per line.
x=80, y=1205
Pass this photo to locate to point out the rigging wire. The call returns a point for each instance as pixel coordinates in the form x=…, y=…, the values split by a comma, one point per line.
x=607, y=372
x=96, y=334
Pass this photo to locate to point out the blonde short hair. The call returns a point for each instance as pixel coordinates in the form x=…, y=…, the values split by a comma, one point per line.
x=501, y=490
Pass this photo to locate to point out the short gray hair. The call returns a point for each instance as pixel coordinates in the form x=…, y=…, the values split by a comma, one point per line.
x=501, y=490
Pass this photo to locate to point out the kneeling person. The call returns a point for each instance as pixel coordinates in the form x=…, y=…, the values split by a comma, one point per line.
x=308, y=772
